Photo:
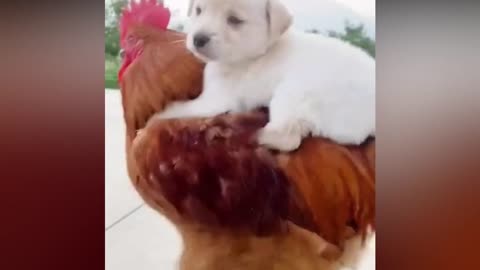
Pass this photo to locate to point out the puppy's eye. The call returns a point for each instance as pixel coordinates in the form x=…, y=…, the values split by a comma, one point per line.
x=233, y=20
x=198, y=11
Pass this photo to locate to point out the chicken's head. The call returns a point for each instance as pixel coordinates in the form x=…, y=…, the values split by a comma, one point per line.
x=143, y=13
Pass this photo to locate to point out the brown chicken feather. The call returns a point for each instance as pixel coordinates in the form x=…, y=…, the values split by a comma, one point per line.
x=211, y=172
x=217, y=186
x=157, y=77
x=337, y=183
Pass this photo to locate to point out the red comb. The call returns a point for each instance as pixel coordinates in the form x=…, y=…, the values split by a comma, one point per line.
x=145, y=12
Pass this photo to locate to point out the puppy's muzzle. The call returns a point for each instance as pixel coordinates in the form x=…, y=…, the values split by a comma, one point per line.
x=200, y=40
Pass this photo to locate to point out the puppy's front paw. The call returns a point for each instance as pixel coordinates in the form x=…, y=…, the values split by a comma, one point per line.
x=278, y=139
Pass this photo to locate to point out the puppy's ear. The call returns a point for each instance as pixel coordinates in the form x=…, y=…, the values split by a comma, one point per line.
x=279, y=19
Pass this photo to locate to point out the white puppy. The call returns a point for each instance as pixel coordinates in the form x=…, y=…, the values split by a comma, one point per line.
x=312, y=84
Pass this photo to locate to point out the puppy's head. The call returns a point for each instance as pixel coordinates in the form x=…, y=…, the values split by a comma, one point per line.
x=230, y=31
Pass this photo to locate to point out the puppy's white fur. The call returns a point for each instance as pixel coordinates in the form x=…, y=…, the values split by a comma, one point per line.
x=312, y=84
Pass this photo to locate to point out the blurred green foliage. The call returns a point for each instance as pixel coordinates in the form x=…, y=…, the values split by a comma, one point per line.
x=112, y=45
x=355, y=35
x=112, y=16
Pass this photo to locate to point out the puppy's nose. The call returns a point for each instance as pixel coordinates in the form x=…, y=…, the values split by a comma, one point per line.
x=200, y=40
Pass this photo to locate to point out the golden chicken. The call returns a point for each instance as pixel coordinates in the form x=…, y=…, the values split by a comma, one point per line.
x=236, y=205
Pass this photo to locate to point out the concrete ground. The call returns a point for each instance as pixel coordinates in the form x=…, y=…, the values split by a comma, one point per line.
x=136, y=237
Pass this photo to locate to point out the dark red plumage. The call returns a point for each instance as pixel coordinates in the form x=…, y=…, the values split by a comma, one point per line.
x=212, y=172
x=215, y=175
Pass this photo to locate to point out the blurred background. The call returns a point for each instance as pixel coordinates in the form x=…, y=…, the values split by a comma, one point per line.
x=350, y=20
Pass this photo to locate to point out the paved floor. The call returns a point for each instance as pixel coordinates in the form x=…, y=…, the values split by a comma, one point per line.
x=137, y=237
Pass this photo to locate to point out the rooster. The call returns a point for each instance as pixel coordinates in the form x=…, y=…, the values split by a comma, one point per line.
x=236, y=205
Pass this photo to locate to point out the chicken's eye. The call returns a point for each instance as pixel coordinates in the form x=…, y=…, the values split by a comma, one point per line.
x=233, y=20
x=198, y=11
